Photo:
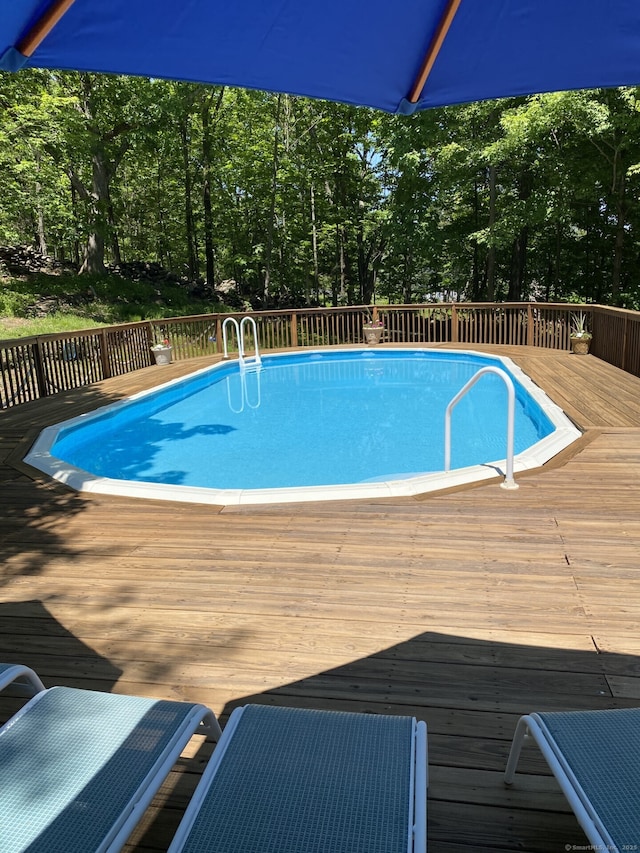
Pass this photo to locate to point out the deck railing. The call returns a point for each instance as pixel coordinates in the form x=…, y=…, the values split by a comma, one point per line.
x=47, y=364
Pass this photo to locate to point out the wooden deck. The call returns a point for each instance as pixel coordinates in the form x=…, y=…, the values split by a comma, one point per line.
x=466, y=609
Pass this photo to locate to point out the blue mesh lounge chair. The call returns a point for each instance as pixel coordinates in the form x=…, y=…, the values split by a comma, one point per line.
x=290, y=779
x=78, y=768
x=594, y=756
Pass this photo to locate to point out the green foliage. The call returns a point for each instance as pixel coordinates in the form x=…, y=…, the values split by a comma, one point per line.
x=305, y=202
x=13, y=303
x=12, y=327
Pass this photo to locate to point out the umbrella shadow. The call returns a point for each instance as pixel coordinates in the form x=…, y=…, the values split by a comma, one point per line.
x=471, y=693
x=31, y=635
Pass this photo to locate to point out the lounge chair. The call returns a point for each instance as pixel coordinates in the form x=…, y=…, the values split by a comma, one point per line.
x=22, y=679
x=78, y=768
x=289, y=779
x=595, y=756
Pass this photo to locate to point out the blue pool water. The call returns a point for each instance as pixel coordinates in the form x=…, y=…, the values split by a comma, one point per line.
x=306, y=419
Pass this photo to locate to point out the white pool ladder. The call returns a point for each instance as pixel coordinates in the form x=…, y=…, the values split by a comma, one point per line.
x=255, y=360
x=509, y=482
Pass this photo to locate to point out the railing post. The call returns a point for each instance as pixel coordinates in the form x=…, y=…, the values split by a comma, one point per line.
x=38, y=363
x=151, y=339
x=616, y=333
x=105, y=361
x=529, y=325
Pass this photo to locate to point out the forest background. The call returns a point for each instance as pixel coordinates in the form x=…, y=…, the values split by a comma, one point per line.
x=303, y=202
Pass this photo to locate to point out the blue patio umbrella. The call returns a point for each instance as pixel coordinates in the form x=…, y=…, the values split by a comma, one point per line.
x=395, y=55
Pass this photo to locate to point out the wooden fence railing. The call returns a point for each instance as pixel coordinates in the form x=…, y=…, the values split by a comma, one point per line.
x=40, y=366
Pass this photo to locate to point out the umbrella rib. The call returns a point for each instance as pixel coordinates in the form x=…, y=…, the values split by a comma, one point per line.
x=43, y=26
x=434, y=49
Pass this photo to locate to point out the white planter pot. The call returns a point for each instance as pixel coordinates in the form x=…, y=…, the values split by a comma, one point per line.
x=162, y=355
x=372, y=334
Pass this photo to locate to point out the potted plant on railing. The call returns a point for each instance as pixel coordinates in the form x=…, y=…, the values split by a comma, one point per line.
x=373, y=331
x=580, y=336
x=162, y=352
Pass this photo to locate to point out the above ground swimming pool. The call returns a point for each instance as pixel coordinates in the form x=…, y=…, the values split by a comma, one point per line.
x=320, y=425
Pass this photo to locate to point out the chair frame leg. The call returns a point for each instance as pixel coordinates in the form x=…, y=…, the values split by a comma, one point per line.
x=22, y=679
x=531, y=726
x=521, y=734
x=421, y=787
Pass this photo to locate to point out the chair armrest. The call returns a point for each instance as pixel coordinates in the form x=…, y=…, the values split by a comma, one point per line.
x=22, y=679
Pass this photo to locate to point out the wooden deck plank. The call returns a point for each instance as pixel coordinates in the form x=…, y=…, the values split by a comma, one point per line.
x=466, y=608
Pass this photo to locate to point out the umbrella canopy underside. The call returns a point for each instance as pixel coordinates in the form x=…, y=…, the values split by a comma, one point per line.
x=363, y=52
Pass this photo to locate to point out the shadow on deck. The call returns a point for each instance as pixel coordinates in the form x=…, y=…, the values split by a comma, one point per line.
x=465, y=609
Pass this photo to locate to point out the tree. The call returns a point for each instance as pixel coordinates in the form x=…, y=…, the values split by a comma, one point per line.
x=300, y=201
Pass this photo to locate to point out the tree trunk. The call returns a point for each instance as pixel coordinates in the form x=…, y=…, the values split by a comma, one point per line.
x=163, y=242
x=314, y=245
x=193, y=264
x=368, y=264
x=206, y=197
x=518, y=263
x=476, y=283
x=266, y=291
x=406, y=279
x=209, y=253
x=93, y=263
x=113, y=233
x=76, y=226
x=366, y=285
x=105, y=159
x=340, y=286
x=620, y=231
x=40, y=233
x=491, y=255
x=555, y=285
x=98, y=200
x=519, y=252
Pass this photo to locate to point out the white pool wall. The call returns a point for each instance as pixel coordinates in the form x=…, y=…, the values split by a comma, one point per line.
x=564, y=434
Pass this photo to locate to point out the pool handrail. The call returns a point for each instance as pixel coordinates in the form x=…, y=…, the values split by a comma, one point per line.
x=256, y=360
x=234, y=323
x=239, y=327
x=509, y=481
